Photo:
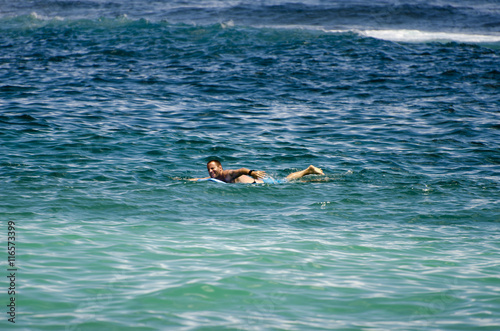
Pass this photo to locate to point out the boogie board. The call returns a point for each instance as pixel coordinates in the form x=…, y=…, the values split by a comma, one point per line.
x=211, y=180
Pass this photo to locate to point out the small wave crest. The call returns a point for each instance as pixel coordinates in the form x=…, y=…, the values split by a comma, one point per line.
x=445, y=15
x=40, y=17
x=425, y=36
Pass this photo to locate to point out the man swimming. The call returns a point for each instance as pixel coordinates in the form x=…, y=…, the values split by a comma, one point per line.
x=244, y=175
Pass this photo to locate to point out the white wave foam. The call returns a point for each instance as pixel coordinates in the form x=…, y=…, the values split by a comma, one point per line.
x=40, y=17
x=423, y=36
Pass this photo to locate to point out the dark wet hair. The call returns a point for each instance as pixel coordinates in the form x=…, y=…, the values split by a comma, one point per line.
x=217, y=162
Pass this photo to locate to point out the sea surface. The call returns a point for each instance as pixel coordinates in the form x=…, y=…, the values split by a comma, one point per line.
x=108, y=107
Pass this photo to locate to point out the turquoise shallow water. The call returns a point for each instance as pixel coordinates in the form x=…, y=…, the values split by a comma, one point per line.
x=103, y=119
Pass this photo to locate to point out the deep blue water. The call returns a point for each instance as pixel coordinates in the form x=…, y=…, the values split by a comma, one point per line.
x=107, y=108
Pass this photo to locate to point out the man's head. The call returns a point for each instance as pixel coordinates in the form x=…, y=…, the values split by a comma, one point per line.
x=214, y=168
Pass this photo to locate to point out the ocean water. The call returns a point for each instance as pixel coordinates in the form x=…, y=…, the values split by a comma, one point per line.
x=108, y=107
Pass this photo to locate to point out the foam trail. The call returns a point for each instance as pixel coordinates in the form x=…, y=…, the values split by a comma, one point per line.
x=424, y=36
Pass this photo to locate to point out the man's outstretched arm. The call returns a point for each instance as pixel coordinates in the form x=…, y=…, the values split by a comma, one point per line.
x=195, y=179
x=257, y=174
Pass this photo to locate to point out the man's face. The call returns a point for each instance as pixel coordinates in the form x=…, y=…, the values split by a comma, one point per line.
x=214, y=170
